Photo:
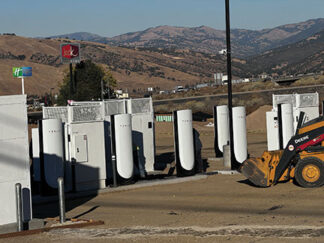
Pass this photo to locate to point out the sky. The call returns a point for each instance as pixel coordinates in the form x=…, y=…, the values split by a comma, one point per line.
x=41, y=18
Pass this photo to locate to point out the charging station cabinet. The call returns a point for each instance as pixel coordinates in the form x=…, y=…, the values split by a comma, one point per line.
x=14, y=158
x=87, y=155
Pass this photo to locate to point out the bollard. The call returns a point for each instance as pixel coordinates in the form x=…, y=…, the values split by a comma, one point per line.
x=19, y=207
x=140, y=165
x=61, y=195
x=227, y=156
x=114, y=170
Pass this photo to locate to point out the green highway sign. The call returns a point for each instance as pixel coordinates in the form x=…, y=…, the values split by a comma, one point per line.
x=17, y=72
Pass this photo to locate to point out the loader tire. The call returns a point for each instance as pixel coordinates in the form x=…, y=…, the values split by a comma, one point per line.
x=309, y=172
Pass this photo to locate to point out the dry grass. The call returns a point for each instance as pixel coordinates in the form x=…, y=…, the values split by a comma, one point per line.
x=309, y=81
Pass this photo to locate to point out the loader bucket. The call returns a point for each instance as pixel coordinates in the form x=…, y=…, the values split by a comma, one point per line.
x=255, y=170
x=260, y=171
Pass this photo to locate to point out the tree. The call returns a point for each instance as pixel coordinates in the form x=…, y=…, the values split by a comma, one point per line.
x=110, y=83
x=87, y=78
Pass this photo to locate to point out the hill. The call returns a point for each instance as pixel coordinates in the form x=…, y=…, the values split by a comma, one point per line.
x=302, y=57
x=138, y=68
x=245, y=43
x=41, y=55
x=135, y=70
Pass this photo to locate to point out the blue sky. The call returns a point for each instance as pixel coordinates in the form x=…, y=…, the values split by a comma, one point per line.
x=112, y=17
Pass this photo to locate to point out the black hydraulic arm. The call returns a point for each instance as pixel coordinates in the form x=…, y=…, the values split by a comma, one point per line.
x=300, y=121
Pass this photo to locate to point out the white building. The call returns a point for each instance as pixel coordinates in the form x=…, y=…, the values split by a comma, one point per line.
x=222, y=52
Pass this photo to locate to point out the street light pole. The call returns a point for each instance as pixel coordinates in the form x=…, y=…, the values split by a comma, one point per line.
x=234, y=165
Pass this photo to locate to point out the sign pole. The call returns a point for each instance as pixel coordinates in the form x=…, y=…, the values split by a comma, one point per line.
x=71, y=82
x=70, y=53
x=22, y=85
x=22, y=72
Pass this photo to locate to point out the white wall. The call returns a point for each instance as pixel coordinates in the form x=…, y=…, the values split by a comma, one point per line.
x=14, y=157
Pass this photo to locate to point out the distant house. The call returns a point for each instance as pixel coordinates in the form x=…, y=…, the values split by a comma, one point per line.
x=263, y=76
x=224, y=79
x=121, y=95
x=199, y=86
x=222, y=52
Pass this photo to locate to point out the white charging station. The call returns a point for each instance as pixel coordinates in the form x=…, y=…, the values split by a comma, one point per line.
x=280, y=127
x=52, y=151
x=307, y=103
x=239, y=134
x=287, y=123
x=122, y=126
x=36, y=159
x=221, y=129
x=272, y=130
x=184, y=142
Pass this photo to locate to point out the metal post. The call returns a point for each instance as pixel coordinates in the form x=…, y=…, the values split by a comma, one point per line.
x=22, y=85
x=61, y=195
x=19, y=207
x=114, y=170
x=281, y=146
x=113, y=150
x=102, y=90
x=71, y=82
x=234, y=165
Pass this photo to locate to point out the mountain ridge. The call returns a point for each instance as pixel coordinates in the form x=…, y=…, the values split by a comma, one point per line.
x=141, y=67
x=245, y=43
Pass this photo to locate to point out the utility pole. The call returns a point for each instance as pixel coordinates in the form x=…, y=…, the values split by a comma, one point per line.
x=234, y=164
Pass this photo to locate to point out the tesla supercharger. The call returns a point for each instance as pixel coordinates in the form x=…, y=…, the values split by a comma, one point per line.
x=51, y=154
x=122, y=147
x=221, y=129
x=280, y=126
x=239, y=134
x=184, y=142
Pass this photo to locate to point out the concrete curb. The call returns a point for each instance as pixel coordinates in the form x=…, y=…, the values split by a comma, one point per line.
x=216, y=159
x=223, y=172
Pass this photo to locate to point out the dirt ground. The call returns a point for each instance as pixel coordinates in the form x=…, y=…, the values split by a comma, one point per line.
x=220, y=208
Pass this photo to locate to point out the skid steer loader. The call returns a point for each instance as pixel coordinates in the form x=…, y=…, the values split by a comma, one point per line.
x=302, y=159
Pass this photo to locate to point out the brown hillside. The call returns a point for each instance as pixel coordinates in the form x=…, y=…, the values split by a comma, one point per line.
x=19, y=51
x=134, y=69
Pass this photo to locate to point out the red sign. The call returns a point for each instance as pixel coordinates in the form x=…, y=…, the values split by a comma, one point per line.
x=70, y=53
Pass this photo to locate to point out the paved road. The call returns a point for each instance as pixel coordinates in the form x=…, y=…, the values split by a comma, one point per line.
x=199, y=98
